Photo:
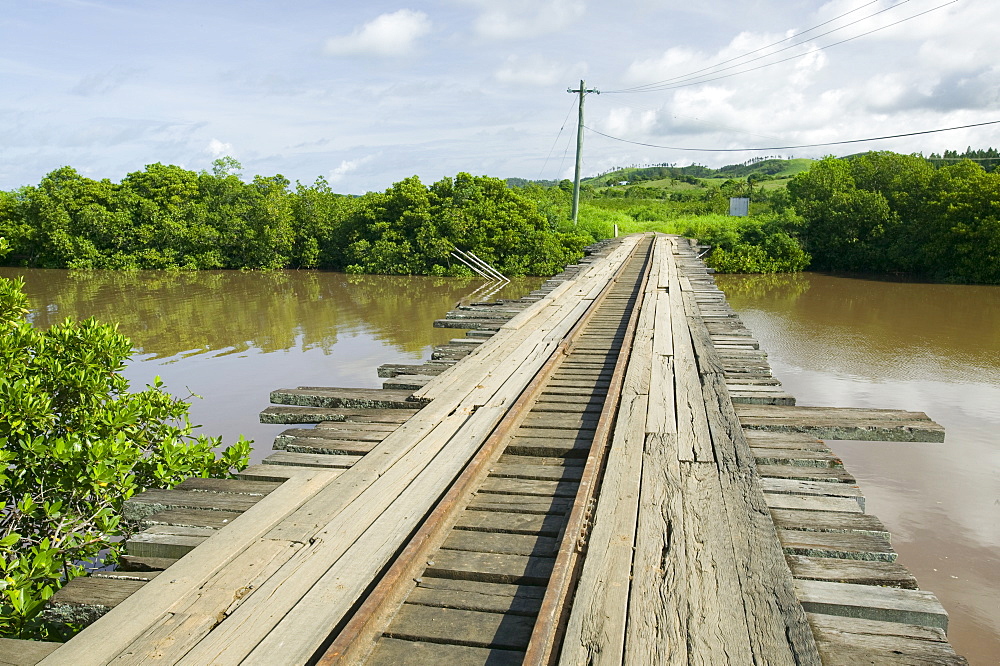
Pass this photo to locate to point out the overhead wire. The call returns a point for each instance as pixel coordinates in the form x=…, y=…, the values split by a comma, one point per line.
x=778, y=62
x=808, y=145
x=558, y=134
x=643, y=87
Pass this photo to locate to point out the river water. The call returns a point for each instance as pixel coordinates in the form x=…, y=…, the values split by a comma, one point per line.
x=853, y=342
x=232, y=337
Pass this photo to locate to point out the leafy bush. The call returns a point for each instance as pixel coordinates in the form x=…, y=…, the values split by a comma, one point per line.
x=75, y=444
x=167, y=217
x=761, y=244
x=884, y=212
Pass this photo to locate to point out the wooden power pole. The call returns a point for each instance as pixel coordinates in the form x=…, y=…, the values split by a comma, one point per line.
x=579, y=147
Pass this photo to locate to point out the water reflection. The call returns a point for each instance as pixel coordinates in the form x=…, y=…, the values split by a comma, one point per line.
x=170, y=314
x=928, y=347
x=232, y=337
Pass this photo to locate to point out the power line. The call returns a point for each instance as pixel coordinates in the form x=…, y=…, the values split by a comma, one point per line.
x=764, y=48
x=809, y=145
x=558, y=134
x=795, y=57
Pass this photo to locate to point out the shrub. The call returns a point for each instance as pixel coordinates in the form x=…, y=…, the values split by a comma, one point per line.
x=75, y=444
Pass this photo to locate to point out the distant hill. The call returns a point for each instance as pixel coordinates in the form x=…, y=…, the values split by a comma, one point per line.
x=667, y=176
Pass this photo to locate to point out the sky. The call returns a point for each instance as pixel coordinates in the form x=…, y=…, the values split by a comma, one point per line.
x=365, y=94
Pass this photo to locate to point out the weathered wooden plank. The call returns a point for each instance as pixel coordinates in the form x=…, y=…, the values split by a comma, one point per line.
x=542, y=442
x=510, y=523
x=544, y=472
x=272, y=472
x=350, y=398
x=793, y=487
x=407, y=382
x=806, y=473
x=596, y=627
x=431, y=368
x=296, y=414
x=870, y=602
x=851, y=641
x=510, y=544
x=816, y=457
x=14, y=652
x=228, y=486
x=844, y=545
x=560, y=421
x=311, y=460
x=292, y=434
x=843, y=423
x=812, y=503
x=471, y=628
x=83, y=600
x=741, y=397
x=885, y=574
x=521, y=503
x=658, y=614
x=191, y=518
x=324, y=446
x=474, y=324
x=508, y=486
x=393, y=652
x=829, y=521
x=694, y=443
x=355, y=428
x=490, y=567
x=477, y=596
x=169, y=541
x=154, y=501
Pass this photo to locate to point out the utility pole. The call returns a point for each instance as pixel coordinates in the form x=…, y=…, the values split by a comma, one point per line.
x=579, y=147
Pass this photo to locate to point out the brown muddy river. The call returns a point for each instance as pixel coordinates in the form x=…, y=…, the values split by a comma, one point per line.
x=847, y=342
x=232, y=337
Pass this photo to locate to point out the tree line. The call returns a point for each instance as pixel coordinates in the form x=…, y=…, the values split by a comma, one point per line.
x=168, y=217
x=883, y=212
x=876, y=212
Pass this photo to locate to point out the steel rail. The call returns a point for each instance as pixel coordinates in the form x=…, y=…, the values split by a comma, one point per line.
x=355, y=641
x=546, y=635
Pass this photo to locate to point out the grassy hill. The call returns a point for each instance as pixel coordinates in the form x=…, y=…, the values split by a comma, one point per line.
x=772, y=173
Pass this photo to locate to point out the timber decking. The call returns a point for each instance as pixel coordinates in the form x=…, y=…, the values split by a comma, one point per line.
x=724, y=530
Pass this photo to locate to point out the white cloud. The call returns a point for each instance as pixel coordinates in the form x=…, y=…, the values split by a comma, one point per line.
x=346, y=167
x=387, y=35
x=219, y=149
x=521, y=19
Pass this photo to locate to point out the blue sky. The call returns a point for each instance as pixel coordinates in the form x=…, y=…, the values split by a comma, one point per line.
x=366, y=94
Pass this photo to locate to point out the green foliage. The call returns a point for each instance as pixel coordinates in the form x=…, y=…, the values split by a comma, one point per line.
x=884, y=212
x=172, y=218
x=411, y=229
x=761, y=244
x=74, y=445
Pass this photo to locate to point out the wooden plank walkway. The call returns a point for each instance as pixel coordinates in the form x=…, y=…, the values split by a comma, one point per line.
x=603, y=471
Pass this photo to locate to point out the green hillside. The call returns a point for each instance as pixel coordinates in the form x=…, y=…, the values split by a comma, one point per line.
x=679, y=179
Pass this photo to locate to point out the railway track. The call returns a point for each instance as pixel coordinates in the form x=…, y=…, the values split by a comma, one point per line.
x=486, y=577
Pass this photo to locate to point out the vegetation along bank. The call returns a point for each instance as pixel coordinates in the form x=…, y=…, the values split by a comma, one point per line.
x=880, y=212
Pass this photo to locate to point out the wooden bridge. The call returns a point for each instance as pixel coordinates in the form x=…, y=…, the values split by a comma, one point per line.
x=603, y=471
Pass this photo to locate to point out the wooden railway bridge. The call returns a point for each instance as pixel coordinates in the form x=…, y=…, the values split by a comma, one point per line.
x=601, y=472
